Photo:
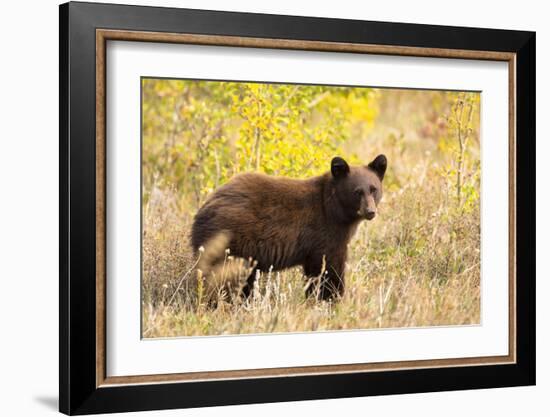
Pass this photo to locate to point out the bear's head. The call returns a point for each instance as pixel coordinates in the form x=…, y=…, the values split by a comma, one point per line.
x=358, y=189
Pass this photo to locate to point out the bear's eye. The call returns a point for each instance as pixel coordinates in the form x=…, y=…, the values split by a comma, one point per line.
x=372, y=189
x=358, y=192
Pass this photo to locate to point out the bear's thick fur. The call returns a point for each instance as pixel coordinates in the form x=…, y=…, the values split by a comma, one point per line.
x=282, y=222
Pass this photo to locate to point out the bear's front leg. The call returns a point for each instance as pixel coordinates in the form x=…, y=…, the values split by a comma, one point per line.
x=249, y=286
x=326, y=278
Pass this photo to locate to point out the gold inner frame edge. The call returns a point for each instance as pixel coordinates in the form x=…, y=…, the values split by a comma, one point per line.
x=103, y=35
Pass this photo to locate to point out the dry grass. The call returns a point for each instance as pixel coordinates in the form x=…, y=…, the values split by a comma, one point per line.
x=416, y=264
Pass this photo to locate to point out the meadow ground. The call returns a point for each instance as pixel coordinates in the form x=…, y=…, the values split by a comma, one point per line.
x=416, y=264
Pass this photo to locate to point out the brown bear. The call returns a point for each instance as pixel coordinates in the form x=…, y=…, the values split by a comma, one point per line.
x=282, y=222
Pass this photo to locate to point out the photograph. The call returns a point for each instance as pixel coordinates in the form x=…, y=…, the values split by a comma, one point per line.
x=275, y=208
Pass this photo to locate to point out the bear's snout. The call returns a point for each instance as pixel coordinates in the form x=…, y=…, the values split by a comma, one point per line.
x=367, y=209
x=367, y=213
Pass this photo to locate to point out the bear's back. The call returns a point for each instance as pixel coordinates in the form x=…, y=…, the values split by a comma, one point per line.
x=259, y=192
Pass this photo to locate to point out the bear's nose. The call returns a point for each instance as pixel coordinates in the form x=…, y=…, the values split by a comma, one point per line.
x=370, y=214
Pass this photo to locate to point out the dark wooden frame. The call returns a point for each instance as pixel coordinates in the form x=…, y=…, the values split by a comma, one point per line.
x=84, y=29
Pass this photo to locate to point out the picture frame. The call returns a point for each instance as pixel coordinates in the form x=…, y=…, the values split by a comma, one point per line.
x=85, y=30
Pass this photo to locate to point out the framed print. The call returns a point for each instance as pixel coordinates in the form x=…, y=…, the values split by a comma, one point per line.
x=259, y=208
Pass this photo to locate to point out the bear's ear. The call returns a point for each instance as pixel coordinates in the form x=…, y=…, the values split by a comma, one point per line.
x=339, y=167
x=379, y=165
